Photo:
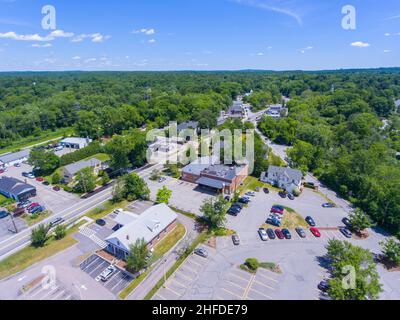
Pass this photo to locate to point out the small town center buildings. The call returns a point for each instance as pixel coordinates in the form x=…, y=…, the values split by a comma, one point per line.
x=72, y=169
x=11, y=159
x=16, y=189
x=75, y=143
x=152, y=226
x=207, y=173
x=285, y=178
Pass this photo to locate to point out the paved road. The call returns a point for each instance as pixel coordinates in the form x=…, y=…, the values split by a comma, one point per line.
x=22, y=239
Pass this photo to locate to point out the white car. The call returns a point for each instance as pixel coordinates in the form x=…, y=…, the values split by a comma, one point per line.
x=106, y=274
x=251, y=194
x=59, y=148
x=263, y=234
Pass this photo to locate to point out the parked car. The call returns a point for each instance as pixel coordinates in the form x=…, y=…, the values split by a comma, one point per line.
x=18, y=212
x=274, y=222
x=24, y=204
x=277, y=210
x=39, y=179
x=2, y=171
x=346, y=222
x=258, y=189
x=263, y=234
x=311, y=221
x=283, y=194
x=290, y=196
x=301, y=232
x=328, y=205
x=275, y=216
x=266, y=190
x=271, y=234
x=46, y=183
x=250, y=194
x=162, y=179
x=323, y=286
x=28, y=175
x=238, y=205
x=59, y=148
x=279, y=234
x=287, y=234
x=315, y=232
x=57, y=188
x=17, y=165
x=106, y=274
x=346, y=232
x=227, y=198
x=244, y=200
x=101, y=222
x=37, y=209
x=3, y=214
x=236, y=240
x=56, y=222
x=201, y=252
x=234, y=211
x=32, y=205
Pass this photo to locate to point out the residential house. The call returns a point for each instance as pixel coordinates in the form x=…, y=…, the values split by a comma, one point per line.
x=11, y=159
x=165, y=150
x=16, y=189
x=188, y=130
x=75, y=143
x=72, y=169
x=152, y=226
x=288, y=179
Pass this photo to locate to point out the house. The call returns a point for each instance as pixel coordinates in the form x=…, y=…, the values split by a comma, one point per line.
x=238, y=111
x=75, y=143
x=152, y=226
x=72, y=169
x=285, y=178
x=11, y=159
x=187, y=130
x=16, y=189
x=216, y=177
x=277, y=111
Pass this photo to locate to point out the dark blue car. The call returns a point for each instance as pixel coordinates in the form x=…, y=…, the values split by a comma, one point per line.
x=3, y=214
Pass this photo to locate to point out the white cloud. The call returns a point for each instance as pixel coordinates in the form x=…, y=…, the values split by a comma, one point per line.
x=304, y=50
x=387, y=51
x=360, y=44
x=147, y=32
x=387, y=34
x=46, y=45
x=90, y=60
x=76, y=58
x=152, y=41
x=260, y=54
x=271, y=6
x=36, y=37
x=94, y=37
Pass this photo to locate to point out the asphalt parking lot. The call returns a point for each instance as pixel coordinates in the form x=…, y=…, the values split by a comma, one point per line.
x=52, y=200
x=94, y=266
x=55, y=292
x=185, y=196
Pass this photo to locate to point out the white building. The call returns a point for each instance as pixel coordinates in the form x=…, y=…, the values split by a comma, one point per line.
x=165, y=150
x=11, y=159
x=285, y=178
x=75, y=143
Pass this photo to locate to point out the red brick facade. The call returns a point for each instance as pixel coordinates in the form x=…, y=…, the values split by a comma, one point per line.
x=162, y=234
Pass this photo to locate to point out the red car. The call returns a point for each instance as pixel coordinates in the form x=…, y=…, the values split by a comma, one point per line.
x=39, y=179
x=33, y=205
x=315, y=232
x=56, y=188
x=1, y=171
x=279, y=234
x=277, y=210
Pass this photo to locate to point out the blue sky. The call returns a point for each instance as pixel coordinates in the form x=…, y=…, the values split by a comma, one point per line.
x=198, y=35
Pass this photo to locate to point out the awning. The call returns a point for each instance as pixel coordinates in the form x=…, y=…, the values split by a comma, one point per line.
x=208, y=182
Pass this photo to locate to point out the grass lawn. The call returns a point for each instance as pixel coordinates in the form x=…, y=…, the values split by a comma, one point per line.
x=104, y=209
x=161, y=248
x=276, y=160
x=30, y=255
x=291, y=220
x=252, y=183
x=36, y=140
x=100, y=156
x=169, y=241
x=34, y=219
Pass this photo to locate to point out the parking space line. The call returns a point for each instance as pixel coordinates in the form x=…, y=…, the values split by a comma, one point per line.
x=236, y=285
x=173, y=291
x=179, y=283
x=264, y=285
x=160, y=296
x=49, y=292
x=235, y=275
x=194, y=262
x=58, y=295
x=37, y=292
x=267, y=277
x=260, y=293
x=121, y=280
x=231, y=293
x=100, y=266
x=110, y=279
x=183, y=275
x=190, y=270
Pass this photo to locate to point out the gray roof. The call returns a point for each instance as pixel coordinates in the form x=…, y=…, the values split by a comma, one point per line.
x=293, y=174
x=74, y=168
x=204, y=181
x=197, y=166
x=148, y=225
x=237, y=107
x=74, y=140
x=223, y=171
x=14, y=186
x=10, y=157
x=188, y=125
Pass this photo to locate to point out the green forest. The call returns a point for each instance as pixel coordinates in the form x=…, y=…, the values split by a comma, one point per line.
x=343, y=125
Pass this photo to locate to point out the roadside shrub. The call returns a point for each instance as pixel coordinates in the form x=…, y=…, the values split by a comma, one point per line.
x=252, y=264
x=55, y=178
x=60, y=232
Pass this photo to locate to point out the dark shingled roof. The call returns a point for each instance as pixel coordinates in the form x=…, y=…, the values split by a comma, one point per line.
x=208, y=182
x=14, y=186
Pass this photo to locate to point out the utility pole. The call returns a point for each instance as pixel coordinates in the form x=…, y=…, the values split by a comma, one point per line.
x=13, y=222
